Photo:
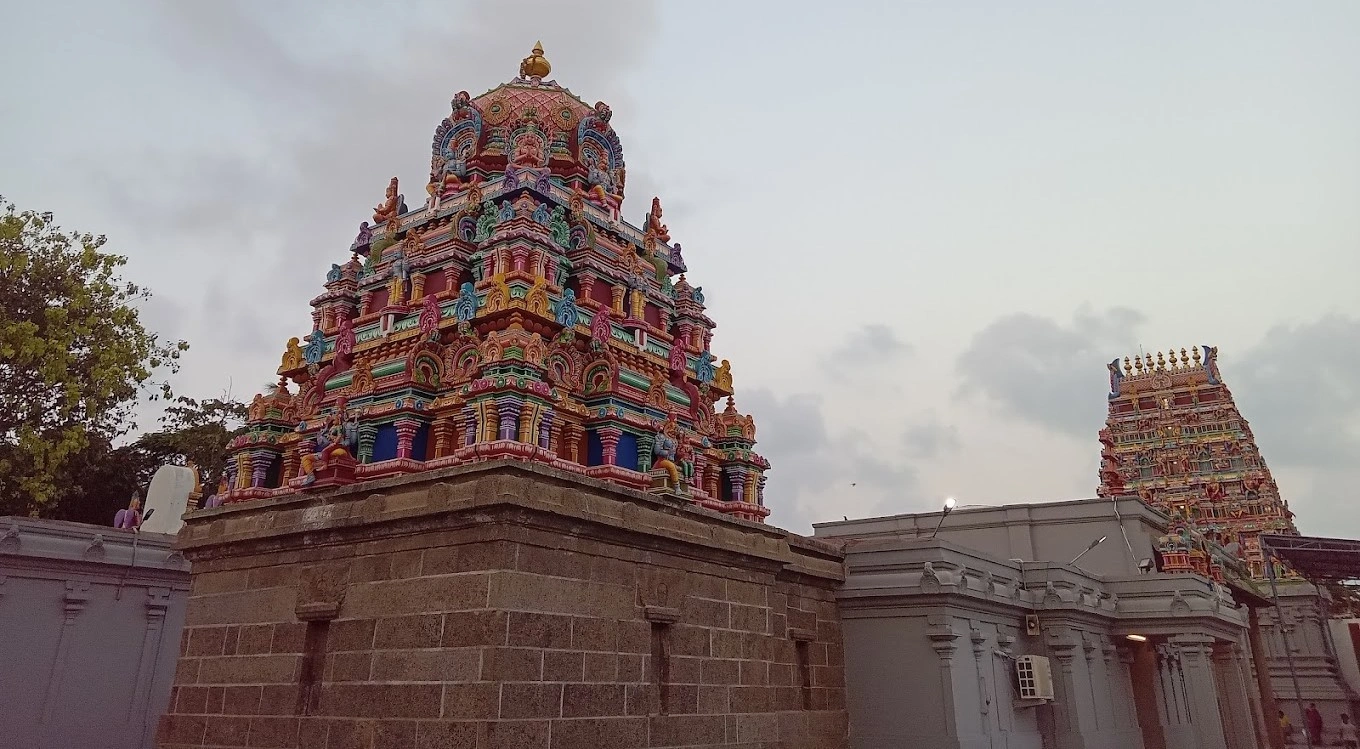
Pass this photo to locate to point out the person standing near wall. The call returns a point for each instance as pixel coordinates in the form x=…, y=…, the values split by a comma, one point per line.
x=1312, y=721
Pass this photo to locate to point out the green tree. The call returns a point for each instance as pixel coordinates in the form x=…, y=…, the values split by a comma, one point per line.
x=197, y=432
x=74, y=354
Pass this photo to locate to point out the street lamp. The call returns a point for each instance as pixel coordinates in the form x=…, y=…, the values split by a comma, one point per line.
x=1093, y=545
x=949, y=504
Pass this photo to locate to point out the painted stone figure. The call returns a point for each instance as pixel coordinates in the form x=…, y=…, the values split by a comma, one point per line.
x=665, y=451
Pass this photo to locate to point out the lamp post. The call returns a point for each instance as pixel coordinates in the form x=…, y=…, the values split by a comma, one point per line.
x=1093, y=545
x=949, y=504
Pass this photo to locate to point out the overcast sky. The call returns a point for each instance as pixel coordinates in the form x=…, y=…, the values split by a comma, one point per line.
x=922, y=228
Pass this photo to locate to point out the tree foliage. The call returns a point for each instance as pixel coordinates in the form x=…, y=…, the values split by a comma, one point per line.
x=197, y=432
x=74, y=355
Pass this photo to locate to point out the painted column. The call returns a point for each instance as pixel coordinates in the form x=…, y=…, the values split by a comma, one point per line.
x=469, y=425
x=555, y=436
x=292, y=459
x=760, y=490
x=418, y=286
x=1201, y=690
x=698, y=480
x=572, y=434
x=942, y=636
x=1237, y=715
x=365, y=303
x=73, y=602
x=1067, y=700
x=242, y=470
x=443, y=431
x=617, y=304
x=609, y=442
x=406, y=434
x=367, y=434
x=1266, y=695
x=639, y=303
x=158, y=600
x=508, y=409
x=545, y=423
x=587, y=285
x=737, y=476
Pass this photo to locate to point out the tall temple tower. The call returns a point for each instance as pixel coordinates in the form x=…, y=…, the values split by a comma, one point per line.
x=1175, y=438
x=512, y=314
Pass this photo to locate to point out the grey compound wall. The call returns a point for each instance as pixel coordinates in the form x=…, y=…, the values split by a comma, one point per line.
x=89, y=634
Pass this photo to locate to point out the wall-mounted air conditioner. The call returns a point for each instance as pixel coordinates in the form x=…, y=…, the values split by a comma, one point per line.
x=1035, y=677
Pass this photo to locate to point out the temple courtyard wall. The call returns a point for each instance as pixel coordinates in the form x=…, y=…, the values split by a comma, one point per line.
x=935, y=625
x=90, y=622
x=504, y=605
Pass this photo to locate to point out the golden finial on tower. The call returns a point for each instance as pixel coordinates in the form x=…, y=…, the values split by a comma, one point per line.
x=535, y=65
x=1161, y=362
x=1128, y=368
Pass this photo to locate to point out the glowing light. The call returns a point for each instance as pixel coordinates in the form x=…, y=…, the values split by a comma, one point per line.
x=1137, y=638
x=949, y=503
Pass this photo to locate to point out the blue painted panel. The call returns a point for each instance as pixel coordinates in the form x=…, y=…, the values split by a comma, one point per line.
x=420, y=446
x=627, y=454
x=594, y=450
x=385, y=443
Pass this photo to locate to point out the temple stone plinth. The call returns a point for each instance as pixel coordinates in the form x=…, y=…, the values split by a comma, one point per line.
x=504, y=604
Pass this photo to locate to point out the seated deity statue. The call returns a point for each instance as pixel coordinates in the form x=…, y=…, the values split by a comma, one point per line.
x=665, y=448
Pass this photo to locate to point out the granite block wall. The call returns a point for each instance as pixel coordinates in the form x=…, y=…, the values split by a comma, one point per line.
x=505, y=607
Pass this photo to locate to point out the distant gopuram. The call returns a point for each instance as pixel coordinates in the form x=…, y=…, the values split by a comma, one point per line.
x=513, y=314
x=1175, y=439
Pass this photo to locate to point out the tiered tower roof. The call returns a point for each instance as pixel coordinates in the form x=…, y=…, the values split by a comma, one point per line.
x=513, y=314
x=1175, y=438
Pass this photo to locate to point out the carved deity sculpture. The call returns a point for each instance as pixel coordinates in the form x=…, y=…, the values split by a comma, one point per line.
x=131, y=518
x=654, y=225
x=722, y=376
x=1116, y=376
x=363, y=238
x=601, y=330
x=400, y=272
x=528, y=151
x=565, y=310
x=1211, y=364
x=217, y=498
x=292, y=356
x=429, y=318
x=665, y=448
x=344, y=341
x=678, y=361
x=391, y=204
x=336, y=441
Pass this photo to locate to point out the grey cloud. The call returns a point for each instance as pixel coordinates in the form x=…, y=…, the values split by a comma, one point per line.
x=266, y=210
x=811, y=466
x=868, y=345
x=1300, y=389
x=1046, y=372
x=931, y=438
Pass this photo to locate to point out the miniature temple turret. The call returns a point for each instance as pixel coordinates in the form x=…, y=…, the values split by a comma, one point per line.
x=1175, y=438
x=513, y=315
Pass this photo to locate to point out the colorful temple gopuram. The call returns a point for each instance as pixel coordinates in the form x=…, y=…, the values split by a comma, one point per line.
x=1175, y=439
x=513, y=314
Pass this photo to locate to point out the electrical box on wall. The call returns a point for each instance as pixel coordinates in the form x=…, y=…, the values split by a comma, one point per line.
x=1035, y=676
x=1032, y=625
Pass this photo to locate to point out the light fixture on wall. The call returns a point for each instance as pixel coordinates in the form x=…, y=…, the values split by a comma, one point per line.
x=1136, y=638
x=1145, y=565
x=949, y=503
x=1093, y=545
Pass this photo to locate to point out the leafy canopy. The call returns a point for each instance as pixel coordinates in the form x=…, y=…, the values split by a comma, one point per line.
x=74, y=354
